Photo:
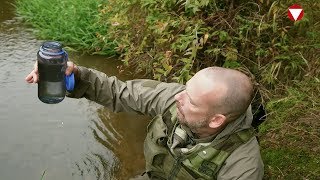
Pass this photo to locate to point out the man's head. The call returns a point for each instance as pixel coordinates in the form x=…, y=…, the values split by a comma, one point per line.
x=213, y=97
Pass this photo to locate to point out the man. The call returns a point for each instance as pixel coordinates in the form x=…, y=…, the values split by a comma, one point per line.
x=199, y=131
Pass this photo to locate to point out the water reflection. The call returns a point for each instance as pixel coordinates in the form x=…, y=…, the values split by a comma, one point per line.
x=95, y=166
x=123, y=134
x=6, y=10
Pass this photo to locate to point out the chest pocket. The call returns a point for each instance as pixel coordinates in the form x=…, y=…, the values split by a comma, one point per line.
x=154, y=147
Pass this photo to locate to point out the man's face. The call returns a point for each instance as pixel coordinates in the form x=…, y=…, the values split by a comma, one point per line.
x=193, y=103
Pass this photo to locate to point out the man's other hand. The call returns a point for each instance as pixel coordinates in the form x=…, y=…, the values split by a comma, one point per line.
x=33, y=76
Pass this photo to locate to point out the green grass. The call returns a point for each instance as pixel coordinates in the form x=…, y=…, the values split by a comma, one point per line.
x=291, y=164
x=290, y=139
x=74, y=22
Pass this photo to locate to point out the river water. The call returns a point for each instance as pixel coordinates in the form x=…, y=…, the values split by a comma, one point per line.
x=75, y=139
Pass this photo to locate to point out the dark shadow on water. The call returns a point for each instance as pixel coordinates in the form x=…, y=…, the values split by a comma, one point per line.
x=6, y=10
x=122, y=136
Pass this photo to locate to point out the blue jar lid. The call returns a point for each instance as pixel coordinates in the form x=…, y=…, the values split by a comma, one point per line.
x=70, y=81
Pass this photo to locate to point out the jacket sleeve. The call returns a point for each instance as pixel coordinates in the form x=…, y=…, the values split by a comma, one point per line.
x=244, y=163
x=141, y=96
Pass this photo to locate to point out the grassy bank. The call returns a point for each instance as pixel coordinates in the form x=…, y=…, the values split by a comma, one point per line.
x=76, y=23
x=290, y=139
x=170, y=40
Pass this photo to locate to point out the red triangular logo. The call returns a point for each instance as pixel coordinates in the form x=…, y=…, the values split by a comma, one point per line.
x=295, y=12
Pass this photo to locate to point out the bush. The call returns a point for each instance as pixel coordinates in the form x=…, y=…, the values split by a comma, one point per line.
x=172, y=39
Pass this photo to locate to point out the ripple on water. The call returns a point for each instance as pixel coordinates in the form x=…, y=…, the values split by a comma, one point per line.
x=18, y=50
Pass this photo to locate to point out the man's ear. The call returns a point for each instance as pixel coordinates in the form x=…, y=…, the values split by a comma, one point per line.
x=217, y=121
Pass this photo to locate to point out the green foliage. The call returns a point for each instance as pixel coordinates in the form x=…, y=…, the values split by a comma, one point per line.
x=172, y=39
x=74, y=22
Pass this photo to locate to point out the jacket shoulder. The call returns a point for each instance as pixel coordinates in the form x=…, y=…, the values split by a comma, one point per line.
x=245, y=163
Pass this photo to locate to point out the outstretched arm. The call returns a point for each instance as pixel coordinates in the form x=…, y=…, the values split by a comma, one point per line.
x=141, y=95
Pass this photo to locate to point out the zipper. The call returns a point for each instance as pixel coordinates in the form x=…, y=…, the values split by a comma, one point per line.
x=176, y=168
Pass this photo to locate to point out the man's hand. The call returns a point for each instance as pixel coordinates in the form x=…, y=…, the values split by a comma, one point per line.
x=33, y=76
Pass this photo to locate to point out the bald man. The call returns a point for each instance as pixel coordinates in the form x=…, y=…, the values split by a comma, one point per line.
x=201, y=130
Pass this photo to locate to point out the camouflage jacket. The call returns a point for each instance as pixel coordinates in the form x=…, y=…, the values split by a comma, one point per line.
x=155, y=98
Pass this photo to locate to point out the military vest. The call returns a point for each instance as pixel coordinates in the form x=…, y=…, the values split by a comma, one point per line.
x=204, y=163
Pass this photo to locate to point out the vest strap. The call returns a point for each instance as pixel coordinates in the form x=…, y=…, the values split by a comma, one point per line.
x=207, y=162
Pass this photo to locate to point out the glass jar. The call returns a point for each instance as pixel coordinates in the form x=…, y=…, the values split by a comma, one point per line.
x=52, y=64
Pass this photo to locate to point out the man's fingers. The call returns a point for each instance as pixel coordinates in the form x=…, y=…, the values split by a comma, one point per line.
x=30, y=81
x=35, y=76
x=70, y=68
x=32, y=77
x=29, y=77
